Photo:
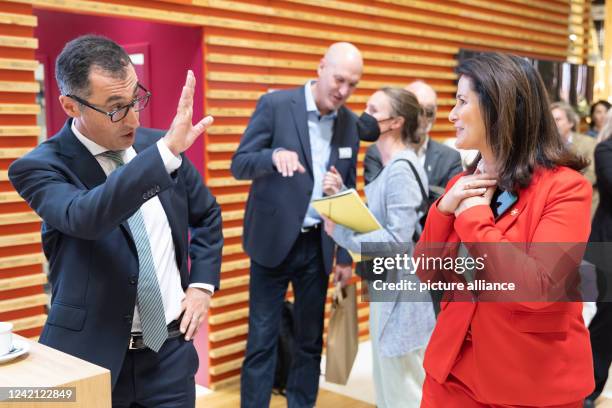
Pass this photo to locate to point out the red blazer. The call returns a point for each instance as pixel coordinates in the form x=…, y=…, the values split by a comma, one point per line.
x=534, y=354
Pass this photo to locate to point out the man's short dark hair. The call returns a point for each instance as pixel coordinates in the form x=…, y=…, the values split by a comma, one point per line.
x=76, y=60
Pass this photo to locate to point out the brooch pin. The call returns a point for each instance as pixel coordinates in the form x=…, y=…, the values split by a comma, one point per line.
x=514, y=212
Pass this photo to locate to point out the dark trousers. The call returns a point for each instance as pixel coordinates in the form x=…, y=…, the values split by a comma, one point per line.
x=165, y=379
x=268, y=287
x=601, y=343
x=600, y=328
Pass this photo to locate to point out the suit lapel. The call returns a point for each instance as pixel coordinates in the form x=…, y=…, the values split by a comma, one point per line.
x=300, y=118
x=432, y=155
x=79, y=159
x=86, y=167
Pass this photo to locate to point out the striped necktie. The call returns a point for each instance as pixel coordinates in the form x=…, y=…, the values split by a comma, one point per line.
x=149, y=299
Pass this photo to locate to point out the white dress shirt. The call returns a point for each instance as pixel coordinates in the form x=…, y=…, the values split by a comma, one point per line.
x=422, y=152
x=158, y=229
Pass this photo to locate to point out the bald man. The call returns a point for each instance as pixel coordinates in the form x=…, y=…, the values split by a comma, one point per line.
x=441, y=162
x=293, y=138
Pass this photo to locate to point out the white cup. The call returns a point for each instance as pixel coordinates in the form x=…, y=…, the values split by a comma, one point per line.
x=6, y=338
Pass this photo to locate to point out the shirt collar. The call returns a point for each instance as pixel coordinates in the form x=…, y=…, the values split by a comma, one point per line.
x=311, y=106
x=94, y=148
x=423, y=149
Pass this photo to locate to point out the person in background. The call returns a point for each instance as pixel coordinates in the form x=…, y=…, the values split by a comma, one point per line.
x=440, y=162
x=399, y=329
x=524, y=189
x=118, y=203
x=567, y=121
x=600, y=327
x=598, y=116
x=292, y=139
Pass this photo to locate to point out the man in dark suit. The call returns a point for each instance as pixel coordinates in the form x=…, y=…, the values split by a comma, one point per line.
x=441, y=162
x=117, y=204
x=599, y=254
x=294, y=137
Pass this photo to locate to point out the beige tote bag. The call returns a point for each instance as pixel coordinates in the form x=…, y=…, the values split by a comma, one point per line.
x=342, y=335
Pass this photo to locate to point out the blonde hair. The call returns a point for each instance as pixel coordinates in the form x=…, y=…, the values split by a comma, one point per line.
x=570, y=113
x=405, y=105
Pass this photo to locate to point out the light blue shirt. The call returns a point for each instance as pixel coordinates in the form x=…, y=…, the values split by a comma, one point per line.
x=320, y=132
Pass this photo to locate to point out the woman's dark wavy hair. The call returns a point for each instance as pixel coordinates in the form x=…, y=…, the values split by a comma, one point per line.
x=519, y=126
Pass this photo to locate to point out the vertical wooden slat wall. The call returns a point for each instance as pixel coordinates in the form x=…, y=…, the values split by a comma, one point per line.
x=256, y=46
x=21, y=276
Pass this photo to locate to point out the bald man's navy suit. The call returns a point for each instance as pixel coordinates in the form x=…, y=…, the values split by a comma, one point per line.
x=280, y=251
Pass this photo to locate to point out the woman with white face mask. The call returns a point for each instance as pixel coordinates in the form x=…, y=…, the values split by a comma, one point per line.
x=399, y=329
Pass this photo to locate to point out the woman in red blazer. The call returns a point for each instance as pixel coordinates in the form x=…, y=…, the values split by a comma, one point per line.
x=519, y=353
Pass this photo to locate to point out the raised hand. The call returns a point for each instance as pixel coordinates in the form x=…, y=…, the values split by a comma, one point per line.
x=182, y=132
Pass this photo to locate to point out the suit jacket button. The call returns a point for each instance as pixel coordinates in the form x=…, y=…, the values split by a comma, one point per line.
x=133, y=280
x=157, y=189
x=144, y=196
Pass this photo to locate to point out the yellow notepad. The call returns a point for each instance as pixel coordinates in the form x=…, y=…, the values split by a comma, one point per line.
x=346, y=208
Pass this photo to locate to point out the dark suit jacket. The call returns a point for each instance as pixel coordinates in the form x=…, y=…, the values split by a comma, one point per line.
x=441, y=163
x=599, y=252
x=276, y=206
x=93, y=263
x=602, y=222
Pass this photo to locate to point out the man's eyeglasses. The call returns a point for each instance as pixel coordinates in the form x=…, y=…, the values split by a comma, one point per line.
x=138, y=103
